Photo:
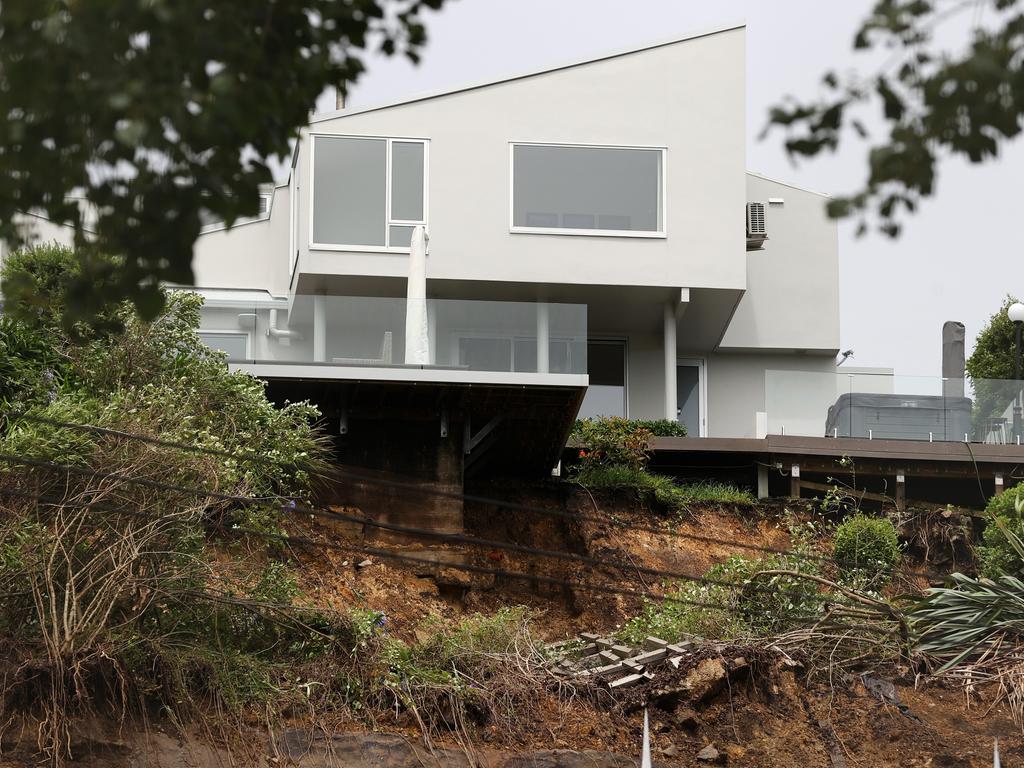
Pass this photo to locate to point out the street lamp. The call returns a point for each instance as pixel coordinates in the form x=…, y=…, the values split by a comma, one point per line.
x=1016, y=314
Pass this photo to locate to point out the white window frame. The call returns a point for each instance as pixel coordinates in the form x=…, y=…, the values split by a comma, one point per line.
x=662, y=232
x=230, y=332
x=388, y=222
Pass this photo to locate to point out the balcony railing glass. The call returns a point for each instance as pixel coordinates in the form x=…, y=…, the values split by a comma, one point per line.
x=877, y=406
x=363, y=331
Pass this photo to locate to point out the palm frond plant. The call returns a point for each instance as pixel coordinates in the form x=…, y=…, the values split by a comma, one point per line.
x=974, y=630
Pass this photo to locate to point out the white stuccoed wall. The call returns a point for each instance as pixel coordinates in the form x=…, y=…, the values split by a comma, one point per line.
x=687, y=96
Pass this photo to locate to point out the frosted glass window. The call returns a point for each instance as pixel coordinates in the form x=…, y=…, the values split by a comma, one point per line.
x=587, y=188
x=232, y=343
x=349, y=191
x=406, y=181
x=352, y=180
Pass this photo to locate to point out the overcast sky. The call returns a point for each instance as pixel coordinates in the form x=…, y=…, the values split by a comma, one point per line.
x=957, y=257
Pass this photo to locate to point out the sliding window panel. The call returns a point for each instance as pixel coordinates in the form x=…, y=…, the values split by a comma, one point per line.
x=349, y=191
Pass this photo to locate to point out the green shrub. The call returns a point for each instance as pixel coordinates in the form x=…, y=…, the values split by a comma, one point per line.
x=998, y=553
x=661, y=427
x=866, y=545
x=743, y=604
x=147, y=601
x=612, y=440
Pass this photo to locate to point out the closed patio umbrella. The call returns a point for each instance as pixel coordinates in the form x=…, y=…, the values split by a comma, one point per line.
x=417, y=343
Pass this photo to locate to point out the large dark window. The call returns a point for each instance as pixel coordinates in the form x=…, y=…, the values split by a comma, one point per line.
x=606, y=366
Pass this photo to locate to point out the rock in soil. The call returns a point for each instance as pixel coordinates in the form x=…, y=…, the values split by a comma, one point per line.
x=709, y=754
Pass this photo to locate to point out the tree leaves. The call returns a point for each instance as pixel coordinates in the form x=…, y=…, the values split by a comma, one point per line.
x=156, y=112
x=934, y=104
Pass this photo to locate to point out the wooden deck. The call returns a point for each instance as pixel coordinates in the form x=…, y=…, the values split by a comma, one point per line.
x=993, y=467
x=855, y=448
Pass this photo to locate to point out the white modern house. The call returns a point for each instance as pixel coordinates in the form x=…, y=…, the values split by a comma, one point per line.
x=586, y=257
x=584, y=234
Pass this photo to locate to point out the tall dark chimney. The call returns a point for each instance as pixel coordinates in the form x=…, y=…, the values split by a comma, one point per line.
x=953, y=359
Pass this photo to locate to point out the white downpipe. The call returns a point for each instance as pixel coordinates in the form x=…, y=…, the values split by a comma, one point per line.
x=280, y=333
x=543, y=337
x=417, y=340
x=669, y=344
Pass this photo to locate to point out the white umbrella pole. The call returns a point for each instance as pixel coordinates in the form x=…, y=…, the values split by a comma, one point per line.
x=417, y=343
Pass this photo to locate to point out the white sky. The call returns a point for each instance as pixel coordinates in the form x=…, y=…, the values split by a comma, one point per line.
x=958, y=256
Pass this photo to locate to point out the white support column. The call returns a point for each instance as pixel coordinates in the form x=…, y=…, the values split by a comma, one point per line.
x=432, y=330
x=543, y=337
x=319, y=329
x=669, y=346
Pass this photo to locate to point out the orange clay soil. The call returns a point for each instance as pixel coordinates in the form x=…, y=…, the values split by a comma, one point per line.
x=786, y=722
x=799, y=724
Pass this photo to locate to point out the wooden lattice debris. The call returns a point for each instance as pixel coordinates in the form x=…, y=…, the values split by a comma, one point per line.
x=605, y=659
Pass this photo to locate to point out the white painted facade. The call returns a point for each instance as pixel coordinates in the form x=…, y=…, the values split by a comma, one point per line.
x=680, y=289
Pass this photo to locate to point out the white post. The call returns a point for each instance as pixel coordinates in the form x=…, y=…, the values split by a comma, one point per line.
x=432, y=330
x=762, y=481
x=319, y=328
x=543, y=337
x=669, y=344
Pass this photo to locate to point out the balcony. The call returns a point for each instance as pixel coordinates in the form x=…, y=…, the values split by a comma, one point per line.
x=887, y=407
x=392, y=339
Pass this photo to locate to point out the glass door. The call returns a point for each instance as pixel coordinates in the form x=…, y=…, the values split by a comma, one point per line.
x=690, y=389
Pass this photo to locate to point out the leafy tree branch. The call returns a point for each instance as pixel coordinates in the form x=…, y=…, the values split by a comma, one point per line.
x=933, y=103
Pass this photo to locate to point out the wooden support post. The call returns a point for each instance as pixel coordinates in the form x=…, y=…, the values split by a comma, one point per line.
x=901, y=490
x=794, y=482
x=999, y=483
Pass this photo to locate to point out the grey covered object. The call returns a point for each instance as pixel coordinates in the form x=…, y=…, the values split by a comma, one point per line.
x=899, y=417
x=953, y=359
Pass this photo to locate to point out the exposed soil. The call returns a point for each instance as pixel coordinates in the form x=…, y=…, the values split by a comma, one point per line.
x=777, y=719
x=797, y=725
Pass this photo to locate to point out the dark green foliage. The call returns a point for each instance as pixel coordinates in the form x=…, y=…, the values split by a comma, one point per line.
x=121, y=537
x=976, y=621
x=999, y=552
x=867, y=545
x=612, y=440
x=991, y=370
x=748, y=602
x=661, y=427
x=614, y=452
x=992, y=357
x=934, y=102
x=169, y=94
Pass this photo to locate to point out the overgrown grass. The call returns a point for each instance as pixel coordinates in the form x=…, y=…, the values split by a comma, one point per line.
x=660, y=488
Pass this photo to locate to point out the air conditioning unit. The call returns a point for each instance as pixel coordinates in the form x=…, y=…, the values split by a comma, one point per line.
x=755, y=220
